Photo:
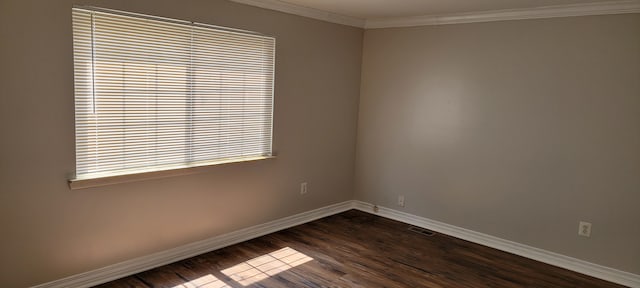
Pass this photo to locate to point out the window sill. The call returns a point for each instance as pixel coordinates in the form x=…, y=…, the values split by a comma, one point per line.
x=84, y=183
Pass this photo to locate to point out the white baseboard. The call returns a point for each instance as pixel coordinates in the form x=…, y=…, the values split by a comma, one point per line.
x=126, y=268
x=555, y=259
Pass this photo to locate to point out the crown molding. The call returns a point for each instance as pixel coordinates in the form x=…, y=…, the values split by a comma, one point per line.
x=305, y=12
x=587, y=9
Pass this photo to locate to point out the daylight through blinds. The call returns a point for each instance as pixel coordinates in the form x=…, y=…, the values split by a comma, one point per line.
x=155, y=94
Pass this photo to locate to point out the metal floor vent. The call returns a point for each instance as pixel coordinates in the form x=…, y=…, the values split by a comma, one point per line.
x=422, y=231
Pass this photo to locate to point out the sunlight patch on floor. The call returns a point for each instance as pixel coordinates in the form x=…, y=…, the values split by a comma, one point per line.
x=265, y=266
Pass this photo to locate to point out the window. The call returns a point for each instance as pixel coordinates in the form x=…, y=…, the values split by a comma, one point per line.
x=154, y=94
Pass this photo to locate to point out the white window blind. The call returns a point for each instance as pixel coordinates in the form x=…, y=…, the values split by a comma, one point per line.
x=155, y=94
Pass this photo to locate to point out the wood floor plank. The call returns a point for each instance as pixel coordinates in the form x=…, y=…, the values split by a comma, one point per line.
x=129, y=282
x=357, y=249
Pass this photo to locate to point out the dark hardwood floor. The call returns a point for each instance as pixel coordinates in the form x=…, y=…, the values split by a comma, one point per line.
x=357, y=249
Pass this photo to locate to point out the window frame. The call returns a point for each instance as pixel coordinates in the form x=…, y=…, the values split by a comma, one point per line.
x=159, y=171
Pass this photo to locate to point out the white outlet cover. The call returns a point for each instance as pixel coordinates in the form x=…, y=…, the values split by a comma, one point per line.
x=584, y=229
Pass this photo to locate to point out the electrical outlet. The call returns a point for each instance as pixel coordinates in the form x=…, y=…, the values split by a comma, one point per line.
x=401, y=200
x=303, y=188
x=584, y=229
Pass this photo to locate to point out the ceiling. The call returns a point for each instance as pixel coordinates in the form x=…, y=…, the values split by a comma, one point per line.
x=402, y=13
x=376, y=9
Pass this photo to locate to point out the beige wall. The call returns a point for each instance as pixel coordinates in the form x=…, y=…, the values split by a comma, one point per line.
x=517, y=129
x=48, y=231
